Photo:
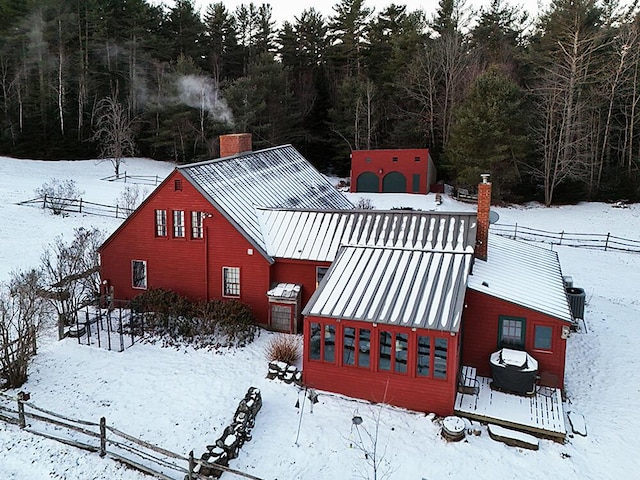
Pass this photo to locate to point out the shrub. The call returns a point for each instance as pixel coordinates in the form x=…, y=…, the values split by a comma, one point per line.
x=364, y=204
x=284, y=348
x=59, y=195
x=203, y=324
x=130, y=198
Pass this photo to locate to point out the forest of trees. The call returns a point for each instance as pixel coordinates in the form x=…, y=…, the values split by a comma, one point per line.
x=550, y=106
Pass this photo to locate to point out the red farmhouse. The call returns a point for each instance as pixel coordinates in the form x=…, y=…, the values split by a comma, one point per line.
x=395, y=303
x=397, y=171
x=198, y=233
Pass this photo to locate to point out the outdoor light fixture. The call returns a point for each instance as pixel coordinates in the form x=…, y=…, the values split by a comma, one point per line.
x=565, y=332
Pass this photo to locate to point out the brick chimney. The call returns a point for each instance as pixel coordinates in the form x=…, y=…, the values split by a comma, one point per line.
x=484, y=204
x=234, y=143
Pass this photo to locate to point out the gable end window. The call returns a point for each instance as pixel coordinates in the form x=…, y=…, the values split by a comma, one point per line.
x=196, y=224
x=178, y=223
x=230, y=281
x=161, y=223
x=177, y=184
x=139, y=274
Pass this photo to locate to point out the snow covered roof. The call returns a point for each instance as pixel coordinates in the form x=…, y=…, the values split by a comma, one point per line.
x=276, y=177
x=524, y=274
x=395, y=286
x=317, y=235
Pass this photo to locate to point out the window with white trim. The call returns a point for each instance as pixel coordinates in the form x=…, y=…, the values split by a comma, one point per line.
x=178, y=223
x=161, y=223
x=196, y=224
x=139, y=274
x=231, y=281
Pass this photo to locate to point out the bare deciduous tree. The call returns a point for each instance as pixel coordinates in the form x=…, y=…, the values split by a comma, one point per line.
x=71, y=274
x=114, y=132
x=22, y=313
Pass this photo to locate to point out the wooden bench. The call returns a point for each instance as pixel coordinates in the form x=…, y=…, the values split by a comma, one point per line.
x=468, y=382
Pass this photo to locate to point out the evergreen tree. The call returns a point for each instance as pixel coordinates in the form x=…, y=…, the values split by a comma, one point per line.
x=489, y=134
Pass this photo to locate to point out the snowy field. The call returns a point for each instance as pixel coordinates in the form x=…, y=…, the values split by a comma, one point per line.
x=181, y=399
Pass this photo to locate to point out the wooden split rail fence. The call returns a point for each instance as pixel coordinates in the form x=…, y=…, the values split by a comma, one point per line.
x=606, y=242
x=63, y=205
x=108, y=441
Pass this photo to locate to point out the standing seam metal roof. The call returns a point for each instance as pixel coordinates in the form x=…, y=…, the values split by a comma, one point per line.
x=317, y=235
x=395, y=286
x=524, y=274
x=277, y=177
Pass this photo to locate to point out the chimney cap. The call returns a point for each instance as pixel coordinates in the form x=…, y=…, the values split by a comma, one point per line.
x=485, y=177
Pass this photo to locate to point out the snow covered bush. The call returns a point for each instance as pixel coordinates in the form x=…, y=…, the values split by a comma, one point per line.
x=59, y=195
x=283, y=348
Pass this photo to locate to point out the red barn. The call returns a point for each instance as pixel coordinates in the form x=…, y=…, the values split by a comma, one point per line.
x=393, y=171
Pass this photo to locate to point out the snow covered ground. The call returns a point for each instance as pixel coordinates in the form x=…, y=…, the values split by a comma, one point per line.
x=181, y=399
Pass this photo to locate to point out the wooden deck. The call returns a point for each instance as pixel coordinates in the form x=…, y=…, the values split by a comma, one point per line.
x=539, y=414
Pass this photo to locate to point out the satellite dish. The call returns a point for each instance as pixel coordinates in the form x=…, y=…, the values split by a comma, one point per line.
x=493, y=217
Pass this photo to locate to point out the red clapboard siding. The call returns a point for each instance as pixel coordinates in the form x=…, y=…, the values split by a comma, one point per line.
x=191, y=267
x=301, y=272
x=480, y=334
x=402, y=390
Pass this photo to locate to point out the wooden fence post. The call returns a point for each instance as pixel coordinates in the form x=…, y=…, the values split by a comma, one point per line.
x=44, y=201
x=116, y=210
x=606, y=243
x=21, y=420
x=191, y=466
x=103, y=436
x=561, y=237
x=515, y=232
x=80, y=206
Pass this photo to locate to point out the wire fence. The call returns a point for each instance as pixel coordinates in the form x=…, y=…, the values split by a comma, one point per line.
x=64, y=206
x=99, y=437
x=597, y=241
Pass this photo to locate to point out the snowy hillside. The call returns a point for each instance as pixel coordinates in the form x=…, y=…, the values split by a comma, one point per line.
x=181, y=399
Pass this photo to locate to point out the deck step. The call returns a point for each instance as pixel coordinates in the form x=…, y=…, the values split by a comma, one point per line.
x=513, y=438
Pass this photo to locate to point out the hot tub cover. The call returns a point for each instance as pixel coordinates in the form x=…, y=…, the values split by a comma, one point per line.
x=513, y=370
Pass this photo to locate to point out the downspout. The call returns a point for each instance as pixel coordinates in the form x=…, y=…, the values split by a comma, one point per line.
x=206, y=260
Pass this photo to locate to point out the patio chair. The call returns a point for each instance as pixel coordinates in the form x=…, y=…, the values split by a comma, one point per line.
x=547, y=384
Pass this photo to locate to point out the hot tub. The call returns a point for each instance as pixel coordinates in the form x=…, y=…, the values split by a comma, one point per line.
x=514, y=371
